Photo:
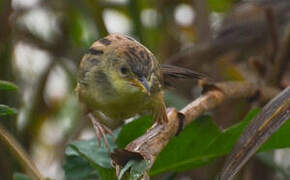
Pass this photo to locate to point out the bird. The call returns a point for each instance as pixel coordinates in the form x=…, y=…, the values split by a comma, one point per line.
x=119, y=78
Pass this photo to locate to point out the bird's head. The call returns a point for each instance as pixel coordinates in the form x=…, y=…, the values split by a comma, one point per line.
x=118, y=65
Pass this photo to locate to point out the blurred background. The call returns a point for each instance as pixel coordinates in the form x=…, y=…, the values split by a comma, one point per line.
x=42, y=43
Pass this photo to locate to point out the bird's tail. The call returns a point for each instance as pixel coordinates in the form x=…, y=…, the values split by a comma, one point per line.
x=171, y=73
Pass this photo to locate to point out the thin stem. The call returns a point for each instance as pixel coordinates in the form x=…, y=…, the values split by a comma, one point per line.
x=19, y=153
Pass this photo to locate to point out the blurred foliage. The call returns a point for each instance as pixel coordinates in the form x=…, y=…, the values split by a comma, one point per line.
x=5, y=85
x=4, y=109
x=20, y=176
x=50, y=119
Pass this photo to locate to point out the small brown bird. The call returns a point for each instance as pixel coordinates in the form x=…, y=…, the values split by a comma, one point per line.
x=119, y=78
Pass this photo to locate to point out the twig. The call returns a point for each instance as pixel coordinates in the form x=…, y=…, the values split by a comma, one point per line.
x=273, y=31
x=150, y=144
x=20, y=154
x=281, y=60
x=245, y=37
x=202, y=21
x=271, y=118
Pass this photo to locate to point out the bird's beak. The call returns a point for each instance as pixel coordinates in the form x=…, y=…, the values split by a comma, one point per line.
x=143, y=84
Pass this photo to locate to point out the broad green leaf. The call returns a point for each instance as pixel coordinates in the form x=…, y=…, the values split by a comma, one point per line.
x=6, y=110
x=218, y=147
x=90, y=150
x=76, y=167
x=20, y=176
x=185, y=151
x=5, y=85
x=181, y=154
x=201, y=142
x=280, y=139
x=133, y=130
x=95, y=159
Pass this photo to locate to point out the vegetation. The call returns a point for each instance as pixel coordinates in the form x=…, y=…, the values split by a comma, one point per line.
x=242, y=46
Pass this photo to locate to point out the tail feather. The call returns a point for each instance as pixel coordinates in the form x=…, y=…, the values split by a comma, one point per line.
x=171, y=73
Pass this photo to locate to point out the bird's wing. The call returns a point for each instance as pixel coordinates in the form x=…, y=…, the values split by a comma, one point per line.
x=171, y=73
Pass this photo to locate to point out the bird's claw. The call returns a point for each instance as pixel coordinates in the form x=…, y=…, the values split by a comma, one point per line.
x=101, y=131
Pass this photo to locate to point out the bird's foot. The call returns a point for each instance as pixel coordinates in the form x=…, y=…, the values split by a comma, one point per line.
x=101, y=131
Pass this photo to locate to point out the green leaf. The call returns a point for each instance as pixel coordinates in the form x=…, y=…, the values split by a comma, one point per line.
x=137, y=169
x=5, y=85
x=90, y=159
x=76, y=167
x=278, y=140
x=185, y=151
x=218, y=147
x=133, y=130
x=201, y=142
x=20, y=176
x=188, y=149
x=6, y=110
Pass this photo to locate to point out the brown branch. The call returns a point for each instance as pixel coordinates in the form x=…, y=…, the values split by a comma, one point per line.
x=273, y=31
x=151, y=143
x=204, y=33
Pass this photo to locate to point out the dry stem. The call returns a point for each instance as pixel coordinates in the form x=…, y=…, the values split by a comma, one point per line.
x=20, y=154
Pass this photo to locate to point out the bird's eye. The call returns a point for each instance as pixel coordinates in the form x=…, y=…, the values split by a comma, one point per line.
x=124, y=70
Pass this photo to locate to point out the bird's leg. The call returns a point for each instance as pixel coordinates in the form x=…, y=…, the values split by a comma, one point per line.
x=161, y=115
x=101, y=131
